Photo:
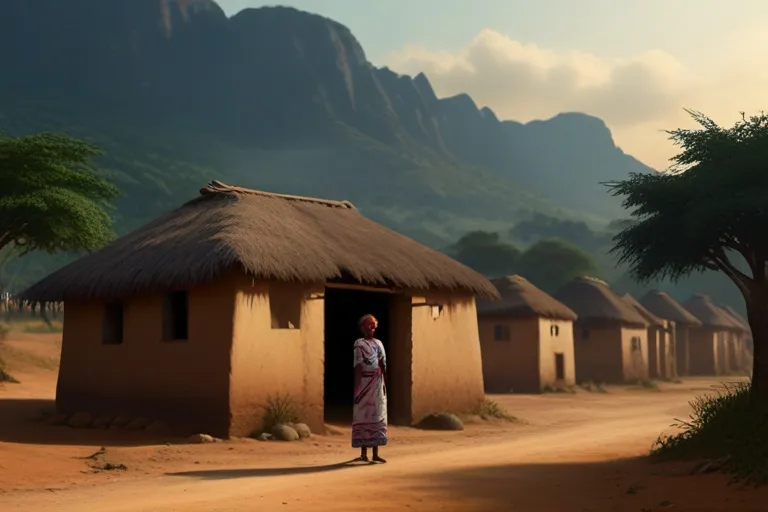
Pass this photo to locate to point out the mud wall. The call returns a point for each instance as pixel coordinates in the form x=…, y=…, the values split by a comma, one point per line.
x=513, y=365
x=271, y=359
x=556, y=337
x=598, y=352
x=634, y=359
x=446, y=363
x=702, y=348
x=183, y=382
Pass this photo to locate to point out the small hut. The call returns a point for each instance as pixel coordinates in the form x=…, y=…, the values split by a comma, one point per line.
x=526, y=339
x=204, y=316
x=610, y=337
x=708, y=344
x=742, y=333
x=681, y=322
x=658, y=339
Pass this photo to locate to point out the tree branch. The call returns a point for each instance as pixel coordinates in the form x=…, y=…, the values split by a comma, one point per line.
x=721, y=261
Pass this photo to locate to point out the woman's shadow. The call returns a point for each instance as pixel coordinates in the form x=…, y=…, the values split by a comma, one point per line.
x=221, y=474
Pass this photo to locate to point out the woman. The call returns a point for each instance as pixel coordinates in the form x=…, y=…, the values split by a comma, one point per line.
x=369, y=413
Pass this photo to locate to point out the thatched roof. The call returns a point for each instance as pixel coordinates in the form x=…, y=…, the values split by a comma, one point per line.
x=737, y=319
x=519, y=297
x=663, y=306
x=270, y=236
x=709, y=314
x=647, y=315
x=593, y=299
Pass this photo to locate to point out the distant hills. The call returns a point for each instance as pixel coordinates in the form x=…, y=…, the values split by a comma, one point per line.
x=283, y=100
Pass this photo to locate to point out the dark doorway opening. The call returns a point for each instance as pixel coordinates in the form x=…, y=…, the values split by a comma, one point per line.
x=343, y=308
x=559, y=366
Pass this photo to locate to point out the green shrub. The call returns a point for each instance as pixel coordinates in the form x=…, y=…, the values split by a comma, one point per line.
x=280, y=409
x=726, y=427
x=488, y=409
x=593, y=387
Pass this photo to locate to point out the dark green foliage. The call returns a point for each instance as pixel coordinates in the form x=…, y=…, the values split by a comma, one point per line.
x=550, y=264
x=52, y=199
x=487, y=253
x=727, y=427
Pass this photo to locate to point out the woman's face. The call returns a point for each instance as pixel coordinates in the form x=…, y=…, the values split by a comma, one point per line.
x=369, y=326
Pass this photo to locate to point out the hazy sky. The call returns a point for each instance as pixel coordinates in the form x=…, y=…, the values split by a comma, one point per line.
x=634, y=64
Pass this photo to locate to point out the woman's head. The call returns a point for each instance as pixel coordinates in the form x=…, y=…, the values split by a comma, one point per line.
x=367, y=325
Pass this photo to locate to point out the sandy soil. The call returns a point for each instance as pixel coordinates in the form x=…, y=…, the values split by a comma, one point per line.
x=575, y=452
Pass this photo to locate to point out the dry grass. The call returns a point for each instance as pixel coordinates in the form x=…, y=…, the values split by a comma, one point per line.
x=280, y=409
x=644, y=384
x=558, y=389
x=490, y=410
x=593, y=387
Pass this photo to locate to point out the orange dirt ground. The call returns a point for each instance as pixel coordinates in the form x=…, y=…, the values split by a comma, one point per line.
x=574, y=452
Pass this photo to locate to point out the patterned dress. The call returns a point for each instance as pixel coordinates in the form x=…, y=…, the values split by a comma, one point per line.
x=369, y=412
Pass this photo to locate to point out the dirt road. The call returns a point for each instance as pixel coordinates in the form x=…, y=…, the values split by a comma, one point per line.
x=581, y=454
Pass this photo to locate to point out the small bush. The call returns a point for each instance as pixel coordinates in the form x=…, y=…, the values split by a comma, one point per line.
x=488, y=409
x=726, y=427
x=645, y=384
x=4, y=375
x=280, y=409
x=548, y=388
x=593, y=387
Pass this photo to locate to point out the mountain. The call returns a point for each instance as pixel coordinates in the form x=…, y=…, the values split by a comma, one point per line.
x=279, y=99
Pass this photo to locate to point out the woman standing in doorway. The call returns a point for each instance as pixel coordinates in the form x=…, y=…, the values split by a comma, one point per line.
x=369, y=412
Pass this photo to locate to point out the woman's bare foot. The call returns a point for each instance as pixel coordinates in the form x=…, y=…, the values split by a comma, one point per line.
x=364, y=458
x=376, y=458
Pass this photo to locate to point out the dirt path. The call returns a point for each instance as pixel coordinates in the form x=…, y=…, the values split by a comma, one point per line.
x=575, y=465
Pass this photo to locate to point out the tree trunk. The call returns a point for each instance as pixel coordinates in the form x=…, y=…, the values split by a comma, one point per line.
x=757, y=312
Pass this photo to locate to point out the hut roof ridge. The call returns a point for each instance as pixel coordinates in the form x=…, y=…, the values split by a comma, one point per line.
x=269, y=236
x=592, y=299
x=520, y=298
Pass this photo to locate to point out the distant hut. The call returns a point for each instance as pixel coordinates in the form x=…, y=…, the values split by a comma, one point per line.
x=610, y=337
x=659, y=335
x=665, y=307
x=742, y=333
x=526, y=339
x=238, y=297
x=708, y=344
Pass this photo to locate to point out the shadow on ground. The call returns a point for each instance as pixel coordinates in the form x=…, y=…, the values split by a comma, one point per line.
x=222, y=474
x=632, y=485
x=20, y=423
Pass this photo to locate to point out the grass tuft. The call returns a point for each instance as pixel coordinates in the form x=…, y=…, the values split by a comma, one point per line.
x=280, y=409
x=593, y=387
x=488, y=409
x=725, y=427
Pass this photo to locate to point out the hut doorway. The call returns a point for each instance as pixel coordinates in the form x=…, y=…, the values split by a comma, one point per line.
x=343, y=309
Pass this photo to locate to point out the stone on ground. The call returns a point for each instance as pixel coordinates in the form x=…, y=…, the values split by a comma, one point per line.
x=303, y=430
x=440, y=421
x=284, y=433
x=80, y=420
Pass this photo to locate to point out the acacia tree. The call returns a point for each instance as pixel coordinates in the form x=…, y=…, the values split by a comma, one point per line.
x=709, y=211
x=51, y=197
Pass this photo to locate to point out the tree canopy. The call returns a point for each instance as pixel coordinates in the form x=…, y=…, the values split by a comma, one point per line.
x=708, y=211
x=486, y=253
x=550, y=264
x=52, y=198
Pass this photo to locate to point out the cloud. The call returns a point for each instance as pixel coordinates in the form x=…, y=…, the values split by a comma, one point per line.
x=638, y=96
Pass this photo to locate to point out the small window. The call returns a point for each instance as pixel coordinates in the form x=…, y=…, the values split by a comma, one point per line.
x=112, y=324
x=636, y=344
x=176, y=316
x=501, y=333
x=585, y=334
x=285, y=303
x=554, y=330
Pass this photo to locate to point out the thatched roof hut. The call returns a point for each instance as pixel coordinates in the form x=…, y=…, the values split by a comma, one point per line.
x=520, y=298
x=663, y=306
x=270, y=236
x=737, y=319
x=592, y=299
x=649, y=317
x=708, y=313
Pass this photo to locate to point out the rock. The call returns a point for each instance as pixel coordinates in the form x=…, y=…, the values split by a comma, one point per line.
x=57, y=419
x=440, y=421
x=159, y=427
x=45, y=412
x=264, y=436
x=303, y=430
x=102, y=421
x=80, y=420
x=120, y=422
x=200, y=439
x=138, y=424
x=284, y=433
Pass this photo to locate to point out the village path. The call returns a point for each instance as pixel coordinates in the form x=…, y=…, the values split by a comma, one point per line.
x=593, y=464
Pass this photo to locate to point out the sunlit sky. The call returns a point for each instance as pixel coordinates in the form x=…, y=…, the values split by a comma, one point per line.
x=634, y=64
